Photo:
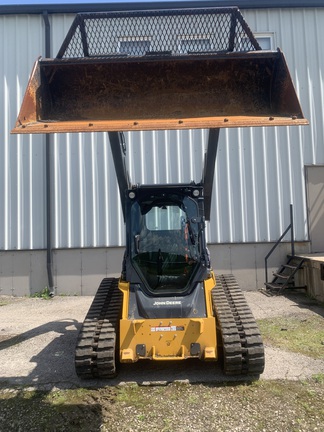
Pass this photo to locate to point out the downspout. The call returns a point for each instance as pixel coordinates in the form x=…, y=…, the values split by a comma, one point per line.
x=49, y=254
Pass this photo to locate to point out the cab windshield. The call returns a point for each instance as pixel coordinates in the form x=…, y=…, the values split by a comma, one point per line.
x=165, y=246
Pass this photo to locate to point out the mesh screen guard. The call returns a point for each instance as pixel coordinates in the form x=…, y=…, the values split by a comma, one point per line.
x=169, y=31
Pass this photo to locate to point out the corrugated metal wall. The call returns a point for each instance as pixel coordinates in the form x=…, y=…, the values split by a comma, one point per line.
x=22, y=186
x=259, y=171
x=298, y=32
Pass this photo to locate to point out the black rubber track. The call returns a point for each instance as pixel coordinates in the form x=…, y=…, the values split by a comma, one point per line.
x=96, y=350
x=242, y=346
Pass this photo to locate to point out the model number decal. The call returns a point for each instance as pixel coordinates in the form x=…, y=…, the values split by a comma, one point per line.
x=163, y=329
x=167, y=329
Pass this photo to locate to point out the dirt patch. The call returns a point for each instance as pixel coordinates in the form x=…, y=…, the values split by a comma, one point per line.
x=6, y=300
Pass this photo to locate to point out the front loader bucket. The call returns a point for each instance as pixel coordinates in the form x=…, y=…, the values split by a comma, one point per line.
x=254, y=89
x=91, y=90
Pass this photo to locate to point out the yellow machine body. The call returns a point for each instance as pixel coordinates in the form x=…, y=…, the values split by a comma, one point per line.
x=168, y=339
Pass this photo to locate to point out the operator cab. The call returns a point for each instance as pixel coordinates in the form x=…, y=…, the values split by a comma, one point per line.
x=166, y=248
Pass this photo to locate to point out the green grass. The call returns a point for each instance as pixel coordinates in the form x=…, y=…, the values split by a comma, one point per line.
x=44, y=294
x=301, y=335
x=3, y=303
x=318, y=378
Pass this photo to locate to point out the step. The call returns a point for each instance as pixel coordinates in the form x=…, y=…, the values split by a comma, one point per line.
x=289, y=266
x=278, y=287
x=274, y=286
x=296, y=287
x=295, y=260
x=281, y=275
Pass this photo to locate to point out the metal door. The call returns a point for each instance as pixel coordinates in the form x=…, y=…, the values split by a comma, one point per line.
x=315, y=201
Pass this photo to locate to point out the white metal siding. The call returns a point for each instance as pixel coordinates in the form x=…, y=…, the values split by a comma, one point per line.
x=22, y=190
x=298, y=32
x=86, y=204
x=259, y=171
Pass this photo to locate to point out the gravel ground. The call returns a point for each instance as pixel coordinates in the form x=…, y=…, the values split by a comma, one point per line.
x=40, y=392
x=37, y=339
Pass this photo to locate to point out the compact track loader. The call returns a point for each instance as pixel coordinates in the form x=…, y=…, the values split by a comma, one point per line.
x=151, y=70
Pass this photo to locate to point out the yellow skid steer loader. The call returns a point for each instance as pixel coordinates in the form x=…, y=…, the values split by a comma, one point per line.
x=157, y=70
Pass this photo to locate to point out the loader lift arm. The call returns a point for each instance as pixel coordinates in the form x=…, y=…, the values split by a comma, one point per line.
x=118, y=149
x=209, y=168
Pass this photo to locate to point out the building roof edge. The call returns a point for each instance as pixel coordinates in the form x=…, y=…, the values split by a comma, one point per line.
x=57, y=8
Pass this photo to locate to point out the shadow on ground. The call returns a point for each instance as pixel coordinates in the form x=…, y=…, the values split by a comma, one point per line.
x=304, y=302
x=45, y=411
x=52, y=365
x=43, y=358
